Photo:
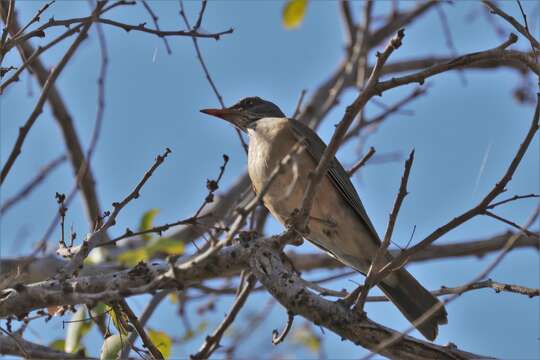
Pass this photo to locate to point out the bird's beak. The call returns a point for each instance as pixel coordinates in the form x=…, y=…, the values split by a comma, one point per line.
x=225, y=114
x=232, y=116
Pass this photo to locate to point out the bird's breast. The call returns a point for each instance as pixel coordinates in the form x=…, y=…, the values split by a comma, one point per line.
x=269, y=142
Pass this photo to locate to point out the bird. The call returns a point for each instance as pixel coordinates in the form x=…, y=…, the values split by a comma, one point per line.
x=338, y=222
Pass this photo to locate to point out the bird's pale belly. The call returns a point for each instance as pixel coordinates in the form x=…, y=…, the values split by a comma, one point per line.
x=333, y=224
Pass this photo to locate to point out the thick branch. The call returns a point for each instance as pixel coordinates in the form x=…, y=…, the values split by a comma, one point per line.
x=283, y=283
x=11, y=345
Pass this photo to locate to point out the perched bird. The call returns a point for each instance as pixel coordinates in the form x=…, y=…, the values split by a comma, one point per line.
x=338, y=222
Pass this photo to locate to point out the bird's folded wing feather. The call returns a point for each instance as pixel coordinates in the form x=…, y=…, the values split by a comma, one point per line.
x=337, y=174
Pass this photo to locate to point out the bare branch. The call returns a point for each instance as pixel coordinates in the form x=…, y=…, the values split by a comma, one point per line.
x=5, y=31
x=140, y=330
x=143, y=319
x=44, y=94
x=359, y=296
x=102, y=285
x=299, y=103
x=203, y=64
x=427, y=315
x=279, y=278
x=212, y=341
x=79, y=253
x=511, y=223
x=361, y=162
x=17, y=346
x=32, y=184
x=156, y=24
x=350, y=114
x=277, y=337
x=486, y=284
x=498, y=189
x=494, y=9
x=348, y=22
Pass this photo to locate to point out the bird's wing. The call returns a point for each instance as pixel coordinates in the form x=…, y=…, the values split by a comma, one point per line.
x=337, y=174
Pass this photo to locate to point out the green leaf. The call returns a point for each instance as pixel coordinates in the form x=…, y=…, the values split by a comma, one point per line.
x=79, y=326
x=147, y=221
x=110, y=350
x=133, y=257
x=58, y=344
x=162, y=341
x=293, y=13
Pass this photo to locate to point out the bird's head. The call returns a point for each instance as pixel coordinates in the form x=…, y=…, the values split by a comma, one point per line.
x=246, y=112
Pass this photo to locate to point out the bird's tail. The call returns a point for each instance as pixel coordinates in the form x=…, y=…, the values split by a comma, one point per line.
x=413, y=300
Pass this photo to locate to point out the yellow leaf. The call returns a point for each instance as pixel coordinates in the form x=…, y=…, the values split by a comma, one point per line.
x=162, y=245
x=119, y=319
x=173, y=297
x=57, y=344
x=165, y=245
x=162, y=341
x=133, y=257
x=305, y=337
x=293, y=13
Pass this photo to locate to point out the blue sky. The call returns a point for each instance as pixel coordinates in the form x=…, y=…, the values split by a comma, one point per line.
x=153, y=102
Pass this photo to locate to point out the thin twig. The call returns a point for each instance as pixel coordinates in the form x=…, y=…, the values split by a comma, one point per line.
x=350, y=114
x=361, y=162
x=512, y=21
x=143, y=319
x=201, y=14
x=359, y=125
x=155, y=19
x=349, y=25
x=511, y=223
x=140, y=330
x=212, y=341
x=38, y=108
x=34, y=19
x=498, y=189
x=32, y=184
x=486, y=284
x=246, y=210
x=299, y=103
x=5, y=31
x=79, y=253
x=279, y=337
x=205, y=68
x=155, y=230
x=434, y=309
x=382, y=251
x=84, y=168
x=513, y=198
x=212, y=186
